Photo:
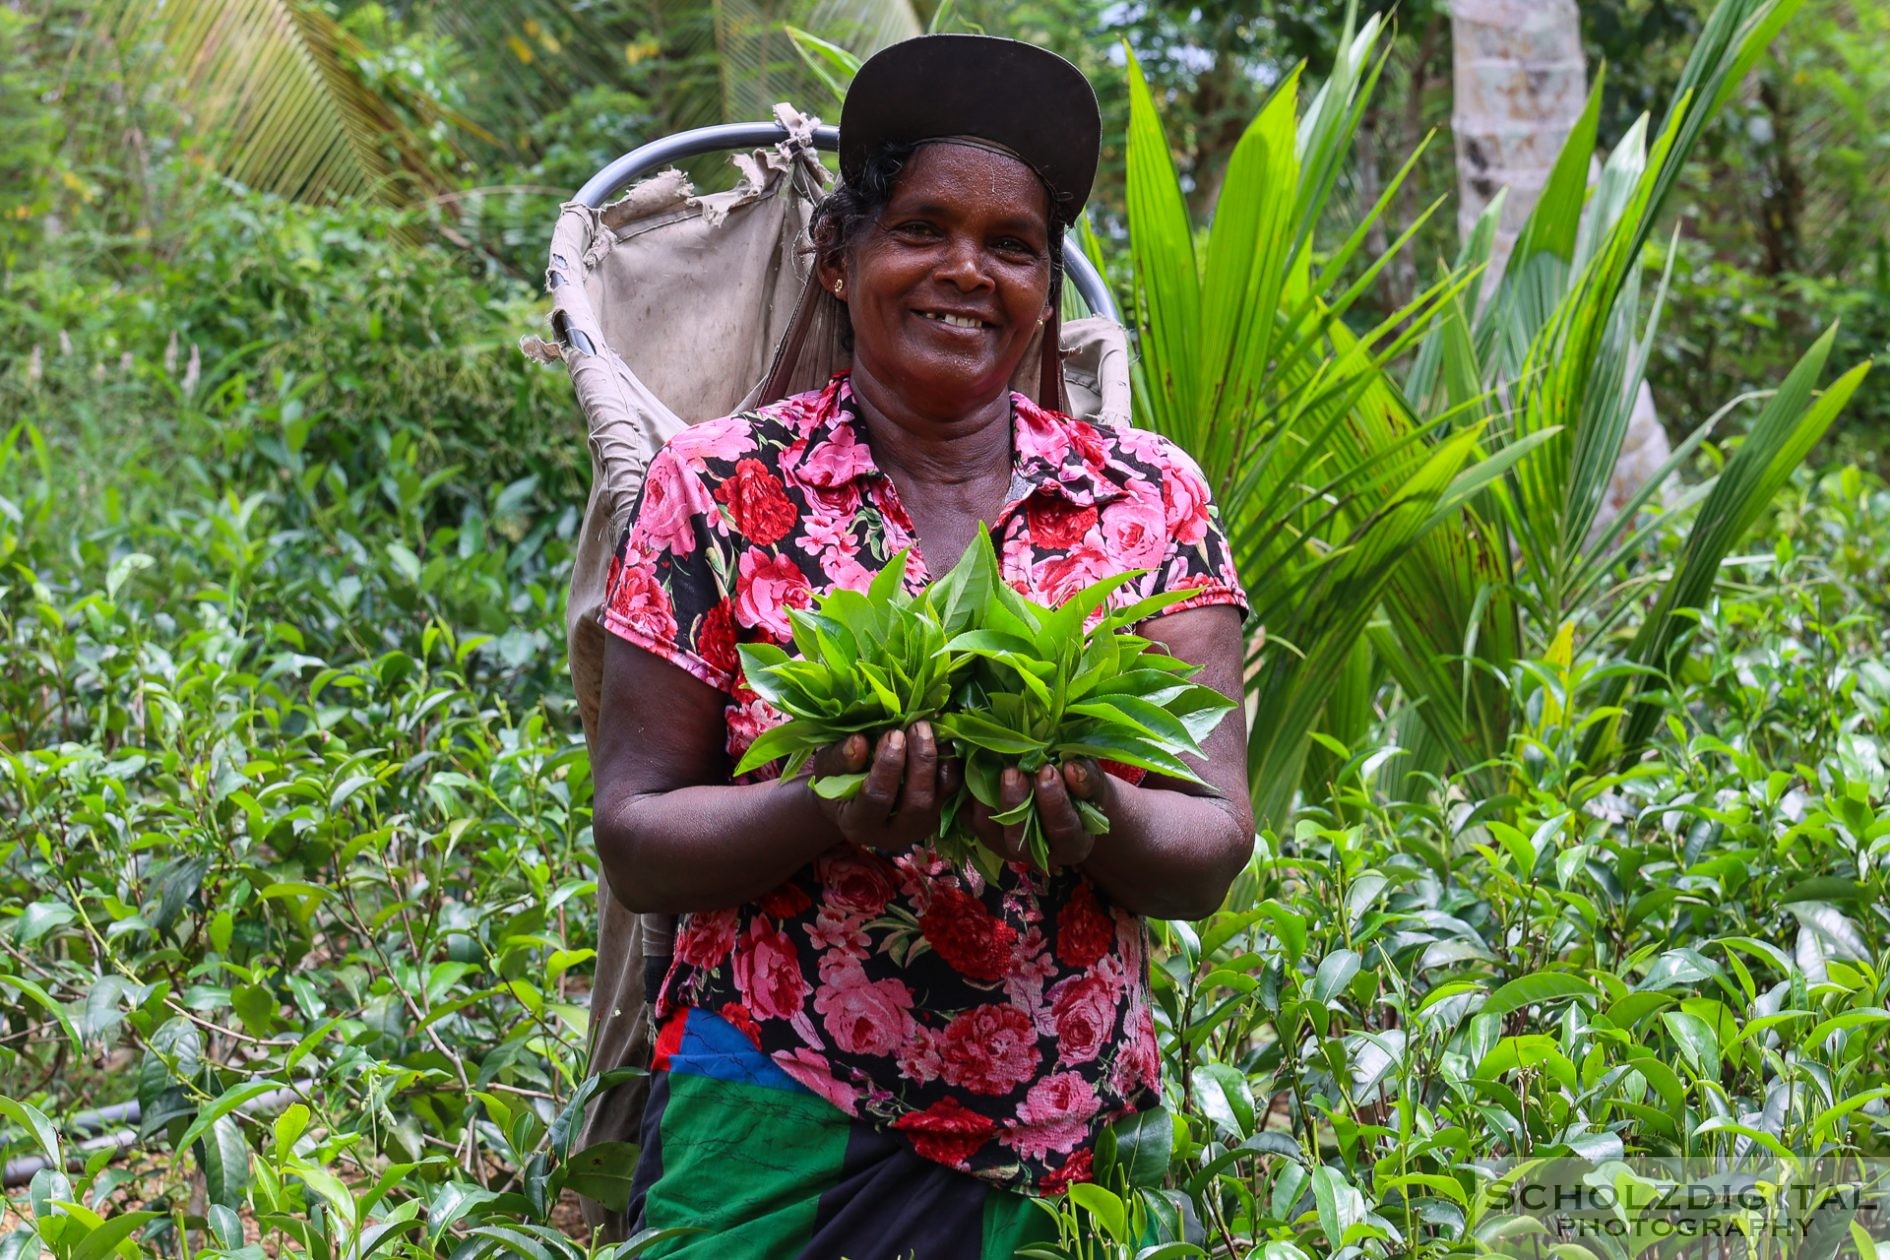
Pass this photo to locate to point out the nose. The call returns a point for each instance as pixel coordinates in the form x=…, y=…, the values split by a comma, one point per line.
x=962, y=264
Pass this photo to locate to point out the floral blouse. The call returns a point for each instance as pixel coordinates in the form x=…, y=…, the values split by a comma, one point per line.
x=999, y=1027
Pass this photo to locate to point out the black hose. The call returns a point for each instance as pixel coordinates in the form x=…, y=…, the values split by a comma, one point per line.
x=98, y=1124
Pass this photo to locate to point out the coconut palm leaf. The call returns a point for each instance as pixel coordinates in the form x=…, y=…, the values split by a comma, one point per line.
x=268, y=82
x=1325, y=475
x=1564, y=341
x=273, y=82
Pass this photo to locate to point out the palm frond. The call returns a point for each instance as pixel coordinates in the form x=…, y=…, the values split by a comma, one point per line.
x=1565, y=341
x=268, y=82
x=1326, y=476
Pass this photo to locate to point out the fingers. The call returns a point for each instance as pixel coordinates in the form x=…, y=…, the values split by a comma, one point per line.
x=1061, y=823
x=876, y=800
x=1068, y=840
x=1085, y=779
x=1012, y=791
x=951, y=777
x=921, y=770
x=846, y=757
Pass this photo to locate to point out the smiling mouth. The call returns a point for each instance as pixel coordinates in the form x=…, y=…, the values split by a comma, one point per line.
x=954, y=321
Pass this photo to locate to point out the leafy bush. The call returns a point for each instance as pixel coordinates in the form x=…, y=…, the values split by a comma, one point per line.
x=296, y=855
x=1734, y=329
x=287, y=866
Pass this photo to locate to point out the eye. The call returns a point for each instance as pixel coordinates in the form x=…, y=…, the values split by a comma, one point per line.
x=917, y=228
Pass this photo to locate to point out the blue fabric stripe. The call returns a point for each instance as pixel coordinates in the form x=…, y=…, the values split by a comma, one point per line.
x=713, y=1047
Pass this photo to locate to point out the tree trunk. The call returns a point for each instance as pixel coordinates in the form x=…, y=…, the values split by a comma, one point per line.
x=1521, y=82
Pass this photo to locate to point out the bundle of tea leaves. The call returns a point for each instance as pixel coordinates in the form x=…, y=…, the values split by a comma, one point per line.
x=1004, y=682
x=867, y=662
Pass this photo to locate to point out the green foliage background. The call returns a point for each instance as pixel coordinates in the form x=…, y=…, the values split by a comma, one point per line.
x=294, y=816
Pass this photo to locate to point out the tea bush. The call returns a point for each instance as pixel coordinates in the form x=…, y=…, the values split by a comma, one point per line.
x=298, y=857
x=294, y=816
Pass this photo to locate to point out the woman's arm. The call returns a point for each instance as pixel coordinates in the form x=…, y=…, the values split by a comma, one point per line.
x=675, y=837
x=1172, y=848
x=668, y=843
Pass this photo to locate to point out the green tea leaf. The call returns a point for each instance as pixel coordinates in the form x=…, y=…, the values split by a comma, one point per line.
x=983, y=733
x=838, y=787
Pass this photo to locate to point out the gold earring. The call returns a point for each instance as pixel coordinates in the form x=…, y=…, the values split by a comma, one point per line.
x=840, y=288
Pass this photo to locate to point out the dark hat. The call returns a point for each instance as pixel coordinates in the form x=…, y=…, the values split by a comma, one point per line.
x=1024, y=98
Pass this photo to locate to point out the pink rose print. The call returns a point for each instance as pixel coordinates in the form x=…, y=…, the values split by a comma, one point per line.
x=811, y=1069
x=803, y=413
x=706, y=937
x=640, y=604
x=1084, y=931
x=1179, y=576
x=712, y=439
x=844, y=570
x=841, y=457
x=765, y=588
x=837, y=503
x=1059, y=577
x=747, y=721
x=1055, y=1116
x=1135, y=529
x=1131, y=942
x=838, y=932
x=1088, y=444
x=918, y=1056
x=856, y=881
x=1185, y=496
x=1057, y=523
x=671, y=500
x=715, y=638
x=1082, y=1015
x=785, y=902
x=826, y=533
x=864, y=1016
x=965, y=934
x=989, y=1049
x=1078, y=1167
x=1139, y=1063
x=768, y=972
x=1037, y=436
x=1035, y=964
x=1224, y=571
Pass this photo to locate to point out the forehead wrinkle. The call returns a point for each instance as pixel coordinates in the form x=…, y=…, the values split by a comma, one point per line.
x=936, y=208
x=961, y=165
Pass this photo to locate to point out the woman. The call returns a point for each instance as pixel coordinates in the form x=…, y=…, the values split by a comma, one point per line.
x=861, y=1051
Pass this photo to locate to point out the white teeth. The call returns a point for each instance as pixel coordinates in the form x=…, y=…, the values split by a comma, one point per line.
x=956, y=321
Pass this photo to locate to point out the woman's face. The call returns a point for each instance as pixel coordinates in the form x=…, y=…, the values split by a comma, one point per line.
x=946, y=288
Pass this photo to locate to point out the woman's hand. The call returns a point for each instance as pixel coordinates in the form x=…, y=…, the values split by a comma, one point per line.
x=906, y=783
x=1057, y=793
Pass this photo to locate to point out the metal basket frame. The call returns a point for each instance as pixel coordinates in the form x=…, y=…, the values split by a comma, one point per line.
x=657, y=154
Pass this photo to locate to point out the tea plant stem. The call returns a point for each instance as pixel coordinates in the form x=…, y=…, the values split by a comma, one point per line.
x=471, y=1141
x=1220, y=1224
x=268, y=1043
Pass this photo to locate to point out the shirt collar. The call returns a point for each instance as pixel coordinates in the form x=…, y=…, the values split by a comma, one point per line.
x=1051, y=452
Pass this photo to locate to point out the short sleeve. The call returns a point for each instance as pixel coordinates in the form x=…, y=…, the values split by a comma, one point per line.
x=1198, y=555
x=668, y=586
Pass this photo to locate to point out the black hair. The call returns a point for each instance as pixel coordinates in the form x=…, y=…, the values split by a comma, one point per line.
x=853, y=205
